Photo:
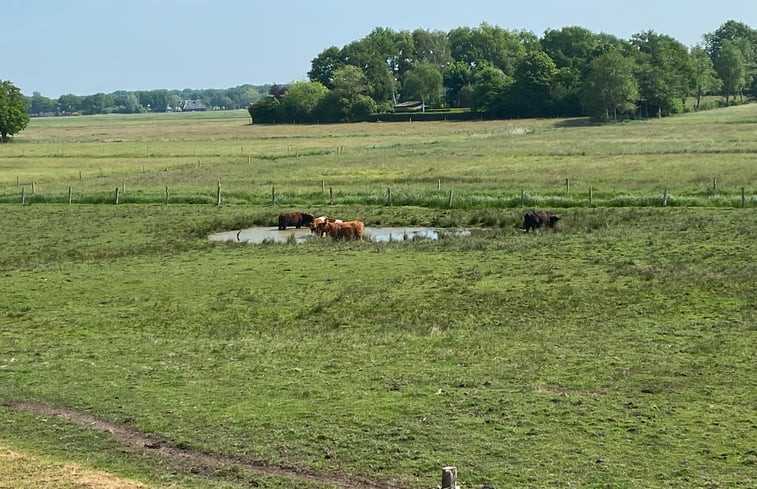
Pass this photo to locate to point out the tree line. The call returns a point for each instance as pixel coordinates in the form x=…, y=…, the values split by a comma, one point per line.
x=131, y=102
x=486, y=70
x=501, y=73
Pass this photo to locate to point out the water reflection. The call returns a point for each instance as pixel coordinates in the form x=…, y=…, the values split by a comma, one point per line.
x=259, y=235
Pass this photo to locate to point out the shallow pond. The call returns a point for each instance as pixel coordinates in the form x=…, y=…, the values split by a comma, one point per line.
x=273, y=235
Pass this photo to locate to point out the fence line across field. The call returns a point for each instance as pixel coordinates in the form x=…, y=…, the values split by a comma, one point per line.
x=389, y=200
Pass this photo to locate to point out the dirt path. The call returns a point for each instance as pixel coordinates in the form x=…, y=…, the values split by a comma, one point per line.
x=193, y=461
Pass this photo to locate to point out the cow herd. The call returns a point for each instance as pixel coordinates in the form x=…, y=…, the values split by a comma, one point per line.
x=347, y=230
x=323, y=225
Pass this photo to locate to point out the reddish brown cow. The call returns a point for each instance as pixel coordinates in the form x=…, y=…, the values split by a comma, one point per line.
x=345, y=230
x=318, y=226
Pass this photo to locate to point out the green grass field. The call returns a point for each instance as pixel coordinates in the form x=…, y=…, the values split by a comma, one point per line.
x=615, y=351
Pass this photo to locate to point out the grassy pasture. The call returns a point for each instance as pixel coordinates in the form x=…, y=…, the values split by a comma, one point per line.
x=615, y=352
x=485, y=164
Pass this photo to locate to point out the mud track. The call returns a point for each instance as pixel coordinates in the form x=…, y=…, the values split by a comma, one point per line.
x=195, y=462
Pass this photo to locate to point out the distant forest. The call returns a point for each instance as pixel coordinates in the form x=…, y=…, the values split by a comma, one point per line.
x=125, y=102
x=487, y=71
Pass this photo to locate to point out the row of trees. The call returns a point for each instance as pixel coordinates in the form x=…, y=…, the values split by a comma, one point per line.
x=504, y=74
x=126, y=102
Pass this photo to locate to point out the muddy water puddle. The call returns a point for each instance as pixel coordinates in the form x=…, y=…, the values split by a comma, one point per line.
x=259, y=235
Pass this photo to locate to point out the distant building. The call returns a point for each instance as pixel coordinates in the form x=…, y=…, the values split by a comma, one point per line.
x=193, y=106
x=410, y=106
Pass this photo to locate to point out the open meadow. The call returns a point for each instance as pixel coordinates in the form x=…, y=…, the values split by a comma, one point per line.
x=615, y=351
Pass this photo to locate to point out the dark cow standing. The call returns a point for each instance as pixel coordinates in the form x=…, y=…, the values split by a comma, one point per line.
x=537, y=219
x=296, y=219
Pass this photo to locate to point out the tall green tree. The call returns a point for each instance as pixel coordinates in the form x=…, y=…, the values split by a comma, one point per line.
x=382, y=83
x=705, y=79
x=530, y=93
x=571, y=47
x=488, y=84
x=457, y=81
x=14, y=116
x=397, y=49
x=350, y=88
x=664, y=72
x=302, y=99
x=737, y=35
x=323, y=66
x=423, y=81
x=351, y=81
x=432, y=47
x=487, y=44
x=731, y=69
x=610, y=87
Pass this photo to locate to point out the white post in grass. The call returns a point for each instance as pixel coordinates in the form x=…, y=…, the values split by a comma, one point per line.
x=449, y=477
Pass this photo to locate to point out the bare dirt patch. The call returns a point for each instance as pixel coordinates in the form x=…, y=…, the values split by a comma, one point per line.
x=23, y=471
x=209, y=465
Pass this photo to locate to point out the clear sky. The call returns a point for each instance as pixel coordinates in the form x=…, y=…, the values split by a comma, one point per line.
x=83, y=47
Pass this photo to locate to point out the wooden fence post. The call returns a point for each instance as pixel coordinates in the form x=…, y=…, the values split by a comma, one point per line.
x=591, y=195
x=167, y=194
x=388, y=196
x=714, y=185
x=323, y=186
x=18, y=182
x=449, y=200
x=449, y=477
x=116, y=195
x=665, y=198
x=743, y=198
x=34, y=187
x=218, y=193
x=69, y=195
x=80, y=175
x=23, y=195
x=331, y=196
x=567, y=185
x=439, y=185
x=273, y=195
x=522, y=197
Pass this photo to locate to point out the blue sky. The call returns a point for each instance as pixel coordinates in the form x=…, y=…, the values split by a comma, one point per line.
x=83, y=47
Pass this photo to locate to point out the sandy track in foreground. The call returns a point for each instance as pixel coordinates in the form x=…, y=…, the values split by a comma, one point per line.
x=24, y=471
